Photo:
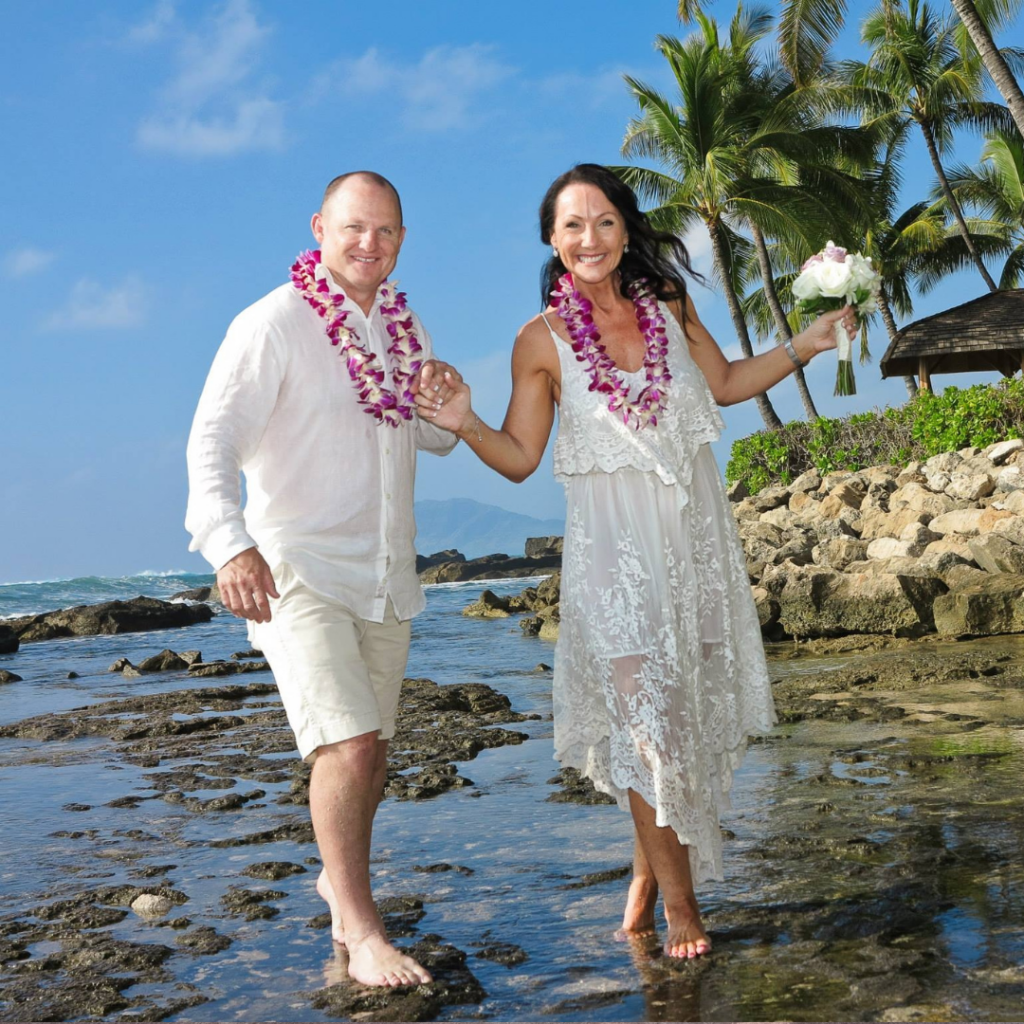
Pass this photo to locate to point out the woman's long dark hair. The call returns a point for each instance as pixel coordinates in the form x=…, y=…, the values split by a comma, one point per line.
x=657, y=255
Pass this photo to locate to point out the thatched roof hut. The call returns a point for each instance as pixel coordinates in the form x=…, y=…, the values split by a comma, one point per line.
x=986, y=333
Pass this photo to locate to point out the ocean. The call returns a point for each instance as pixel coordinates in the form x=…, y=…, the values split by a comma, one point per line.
x=832, y=837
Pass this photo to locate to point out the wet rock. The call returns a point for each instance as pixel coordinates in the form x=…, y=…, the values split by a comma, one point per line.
x=489, y=606
x=203, y=594
x=541, y=547
x=71, y=675
x=453, y=985
x=165, y=661
x=120, y=665
x=9, y=641
x=77, y=807
x=190, y=657
x=576, y=789
x=491, y=567
x=151, y=905
x=273, y=870
x=541, y=667
x=203, y=941
x=251, y=903
x=401, y=914
x=995, y=605
x=9, y=677
x=433, y=869
x=202, y=669
x=242, y=655
x=505, y=953
x=424, y=562
x=137, y=615
x=600, y=877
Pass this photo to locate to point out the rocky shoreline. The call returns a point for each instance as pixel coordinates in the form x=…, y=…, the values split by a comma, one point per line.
x=933, y=547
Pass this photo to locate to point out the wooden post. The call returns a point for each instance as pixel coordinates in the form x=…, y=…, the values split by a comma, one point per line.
x=923, y=376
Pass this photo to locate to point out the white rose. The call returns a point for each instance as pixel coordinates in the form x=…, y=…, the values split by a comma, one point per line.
x=834, y=279
x=806, y=285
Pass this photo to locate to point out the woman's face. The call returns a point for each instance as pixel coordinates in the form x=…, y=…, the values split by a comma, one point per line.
x=589, y=233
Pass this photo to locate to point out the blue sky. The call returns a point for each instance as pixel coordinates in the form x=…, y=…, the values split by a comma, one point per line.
x=162, y=162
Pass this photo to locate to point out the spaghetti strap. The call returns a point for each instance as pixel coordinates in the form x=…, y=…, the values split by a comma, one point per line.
x=544, y=317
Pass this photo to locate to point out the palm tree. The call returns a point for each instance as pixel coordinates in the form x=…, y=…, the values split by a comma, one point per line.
x=916, y=74
x=732, y=146
x=997, y=189
x=977, y=19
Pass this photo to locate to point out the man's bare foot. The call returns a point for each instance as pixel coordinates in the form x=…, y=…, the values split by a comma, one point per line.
x=639, y=916
x=686, y=936
x=323, y=887
x=374, y=961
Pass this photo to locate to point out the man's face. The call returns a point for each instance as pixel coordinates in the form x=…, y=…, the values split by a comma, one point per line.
x=360, y=234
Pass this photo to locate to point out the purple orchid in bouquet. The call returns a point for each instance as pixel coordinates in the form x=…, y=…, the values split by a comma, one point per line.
x=832, y=279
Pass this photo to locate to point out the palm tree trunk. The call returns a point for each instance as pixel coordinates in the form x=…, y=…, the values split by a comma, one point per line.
x=772, y=295
x=997, y=66
x=890, y=325
x=954, y=206
x=764, y=405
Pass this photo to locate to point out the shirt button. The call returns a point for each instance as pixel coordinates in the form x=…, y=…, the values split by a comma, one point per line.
x=387, y=451
x=388, y=496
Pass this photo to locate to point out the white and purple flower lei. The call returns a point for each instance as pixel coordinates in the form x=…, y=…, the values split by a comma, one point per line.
x=576, y=312
x=384, y=404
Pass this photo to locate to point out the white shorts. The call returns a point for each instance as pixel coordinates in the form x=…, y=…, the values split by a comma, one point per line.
x=339, y=675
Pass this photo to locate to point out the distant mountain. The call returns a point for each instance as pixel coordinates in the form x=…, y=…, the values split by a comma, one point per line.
x=477, y=529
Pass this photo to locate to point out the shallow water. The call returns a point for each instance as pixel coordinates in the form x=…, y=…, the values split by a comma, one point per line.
x=872, y=865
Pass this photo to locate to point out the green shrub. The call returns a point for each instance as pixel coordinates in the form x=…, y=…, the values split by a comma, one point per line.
x=925, y=426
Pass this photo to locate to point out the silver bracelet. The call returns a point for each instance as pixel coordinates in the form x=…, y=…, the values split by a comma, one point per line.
x=475, y=429
x=787, y=344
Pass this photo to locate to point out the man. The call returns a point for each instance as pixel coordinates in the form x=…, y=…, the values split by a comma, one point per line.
x=322, y=562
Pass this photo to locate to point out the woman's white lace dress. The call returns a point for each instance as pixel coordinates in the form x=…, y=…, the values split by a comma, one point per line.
x=660, y=674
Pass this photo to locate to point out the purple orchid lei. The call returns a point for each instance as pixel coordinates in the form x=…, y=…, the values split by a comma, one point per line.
x=384, y=404
x=576, y=312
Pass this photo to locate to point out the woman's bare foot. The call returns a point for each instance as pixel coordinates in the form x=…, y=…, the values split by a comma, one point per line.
x=686, y=936
x=374, y=961
x=323, y=888
x=639, y=916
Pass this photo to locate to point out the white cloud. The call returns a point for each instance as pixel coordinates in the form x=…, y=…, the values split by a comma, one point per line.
x=437, y=94
x=155, y=27
x=91, y=306
x=212, y=107
x=22, y=262
x=592, y=92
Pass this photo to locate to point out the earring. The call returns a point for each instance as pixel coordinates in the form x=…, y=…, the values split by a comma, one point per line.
x=554, y=249
x=625, y=248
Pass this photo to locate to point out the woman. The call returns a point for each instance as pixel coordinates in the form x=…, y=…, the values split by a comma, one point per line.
x=660, y=674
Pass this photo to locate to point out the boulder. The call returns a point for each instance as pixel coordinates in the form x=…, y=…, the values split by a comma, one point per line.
x=890, y=524
x=900, y=564
x=840, y=552
x=815, y=601
x=891, y=547
x=913, y=472
x=938, y=563
x=137, y=615
x=745, y=510
x=809, y=481
x=489, y=567
x=1009, y=478
x=738, y=491
x=1013, y=502
x=997, y=454
x=960, y=576
x=952, y=542
x=968, y=521
x=9, y=641
x=803, y=500
x=541, y=547
x=8, y=677
x=489, y=606
x=946, y=462
x=202, y=594
x=165, y=661
x=936, y=481
x=912, y=495
x=995, y=605
x=151, y=905
x=424, y=562
x=770, y=497
x=996, y=553
x=970, y=486
x=780, y=517
x=1011, y=528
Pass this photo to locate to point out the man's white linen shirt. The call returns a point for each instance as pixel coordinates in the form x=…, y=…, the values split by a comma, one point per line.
x=329, y=489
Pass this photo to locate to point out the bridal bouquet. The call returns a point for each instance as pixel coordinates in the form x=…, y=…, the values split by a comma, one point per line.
x=831, y=279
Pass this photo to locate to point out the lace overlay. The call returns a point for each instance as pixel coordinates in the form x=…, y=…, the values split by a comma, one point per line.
x=660, y=673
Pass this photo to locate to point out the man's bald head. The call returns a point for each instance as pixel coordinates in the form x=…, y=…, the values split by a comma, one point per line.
x=371, y=176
